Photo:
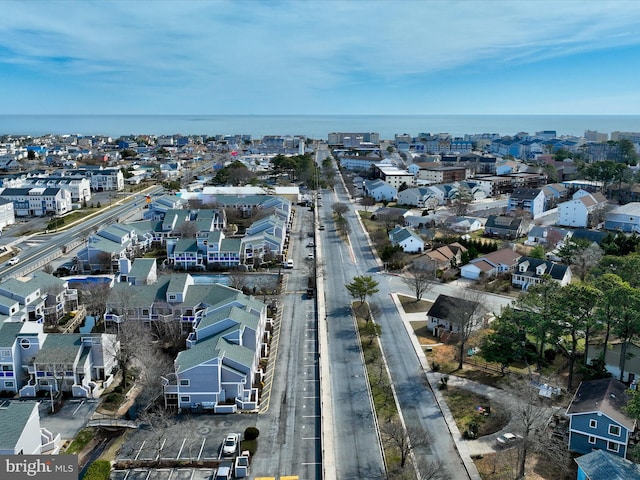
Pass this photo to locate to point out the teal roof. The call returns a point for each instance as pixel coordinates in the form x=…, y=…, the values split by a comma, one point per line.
x=13, y=419
x=8, y=333
x=142, y=267
x=59, y=348
x=186, y=245
x=232, y=245
x=600, y=465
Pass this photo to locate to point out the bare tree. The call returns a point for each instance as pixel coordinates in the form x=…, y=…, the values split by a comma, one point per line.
x=157, y=424
x=47, y=268
x=405, y=440
x=237, y=280
x=465, y=314
x=530, y=415
x=419, y=278
x=187, y=230
x=94, y=296
x=367, y=202
x=340, y=208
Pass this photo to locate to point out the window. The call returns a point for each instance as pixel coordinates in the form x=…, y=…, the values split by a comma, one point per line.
x=8, y=384
x=185, y=399
x=7, y=368
x=24, y=343
x=614, y=430
x=592, y=440
x=613, y=447
x=593, y=423
x=5, y=352
x=184, y=382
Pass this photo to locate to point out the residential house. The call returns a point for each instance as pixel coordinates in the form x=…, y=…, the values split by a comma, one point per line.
x=379, y=190
x=505, y=227
x=406, y=238
x=464, y=224
x=550, y=237
x=7, y=213
x=489, y=265
x=22, y=433
x=624, y=218
x=529, y=271
x=580, y=210
x=613, y=356
x=599, y=465
x=220, y=369
x=447, y=256
x=597, y=419
x=445, y=315
x=421, y=197
x=184, y=253
x=529, y=200
x=38, y=201
x=33, y=361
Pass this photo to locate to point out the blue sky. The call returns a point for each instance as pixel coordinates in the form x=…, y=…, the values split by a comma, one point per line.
x=320, y=57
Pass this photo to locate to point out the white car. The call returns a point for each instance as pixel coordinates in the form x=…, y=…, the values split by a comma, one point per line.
x=13, y=261
x=288, y=264
x=508, y=438
x=310, y=256
x=230, y=445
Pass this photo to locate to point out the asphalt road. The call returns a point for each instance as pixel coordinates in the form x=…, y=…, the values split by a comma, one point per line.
x=290, y=428
x=416, y=401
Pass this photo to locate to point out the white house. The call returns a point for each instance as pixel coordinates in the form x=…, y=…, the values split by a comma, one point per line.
x=409, y=240
x=575, y=212
x=529, y=271
x=379, y=190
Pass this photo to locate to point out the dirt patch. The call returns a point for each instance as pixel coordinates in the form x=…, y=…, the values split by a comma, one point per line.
x=502, y=465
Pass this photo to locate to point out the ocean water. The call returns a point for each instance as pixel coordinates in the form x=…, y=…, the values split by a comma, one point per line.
x=312, y=126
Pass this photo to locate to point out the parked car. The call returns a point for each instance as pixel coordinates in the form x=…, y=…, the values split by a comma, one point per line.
x=287, y=264
x=13, y=261
x=311, y=244
x=508, y=439
x=230, y=445
x=310, y=256
x=321, y=227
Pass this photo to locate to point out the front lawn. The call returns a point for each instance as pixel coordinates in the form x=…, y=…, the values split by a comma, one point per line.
x=469, y=409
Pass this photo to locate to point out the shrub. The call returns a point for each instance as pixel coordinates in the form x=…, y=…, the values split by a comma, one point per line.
x=251, y=433
x=549, y=355
x=118, y=389
x=98, y=470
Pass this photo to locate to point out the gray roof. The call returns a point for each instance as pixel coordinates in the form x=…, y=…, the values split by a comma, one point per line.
x=449, y=308
x=557, y=271
x=603, y=465
x=606, y=395
x=13, y=419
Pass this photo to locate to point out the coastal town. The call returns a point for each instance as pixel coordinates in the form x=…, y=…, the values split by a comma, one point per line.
x=420, y=307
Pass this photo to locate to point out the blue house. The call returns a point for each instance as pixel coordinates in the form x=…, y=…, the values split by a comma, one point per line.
x=597, y=420
x=600, y=464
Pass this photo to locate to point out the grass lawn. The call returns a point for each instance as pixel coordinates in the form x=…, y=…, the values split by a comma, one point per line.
x=410, y=305
x=422, y=334
x=463, y=405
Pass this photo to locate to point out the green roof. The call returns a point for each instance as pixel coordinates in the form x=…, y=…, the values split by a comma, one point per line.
x=13, y=419
x=59, y=348
x=8, y=332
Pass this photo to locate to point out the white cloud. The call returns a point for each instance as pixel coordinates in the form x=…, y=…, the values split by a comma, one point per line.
x=295, y=49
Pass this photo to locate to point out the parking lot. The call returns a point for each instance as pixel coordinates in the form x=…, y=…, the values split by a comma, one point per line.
x=163, y=474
